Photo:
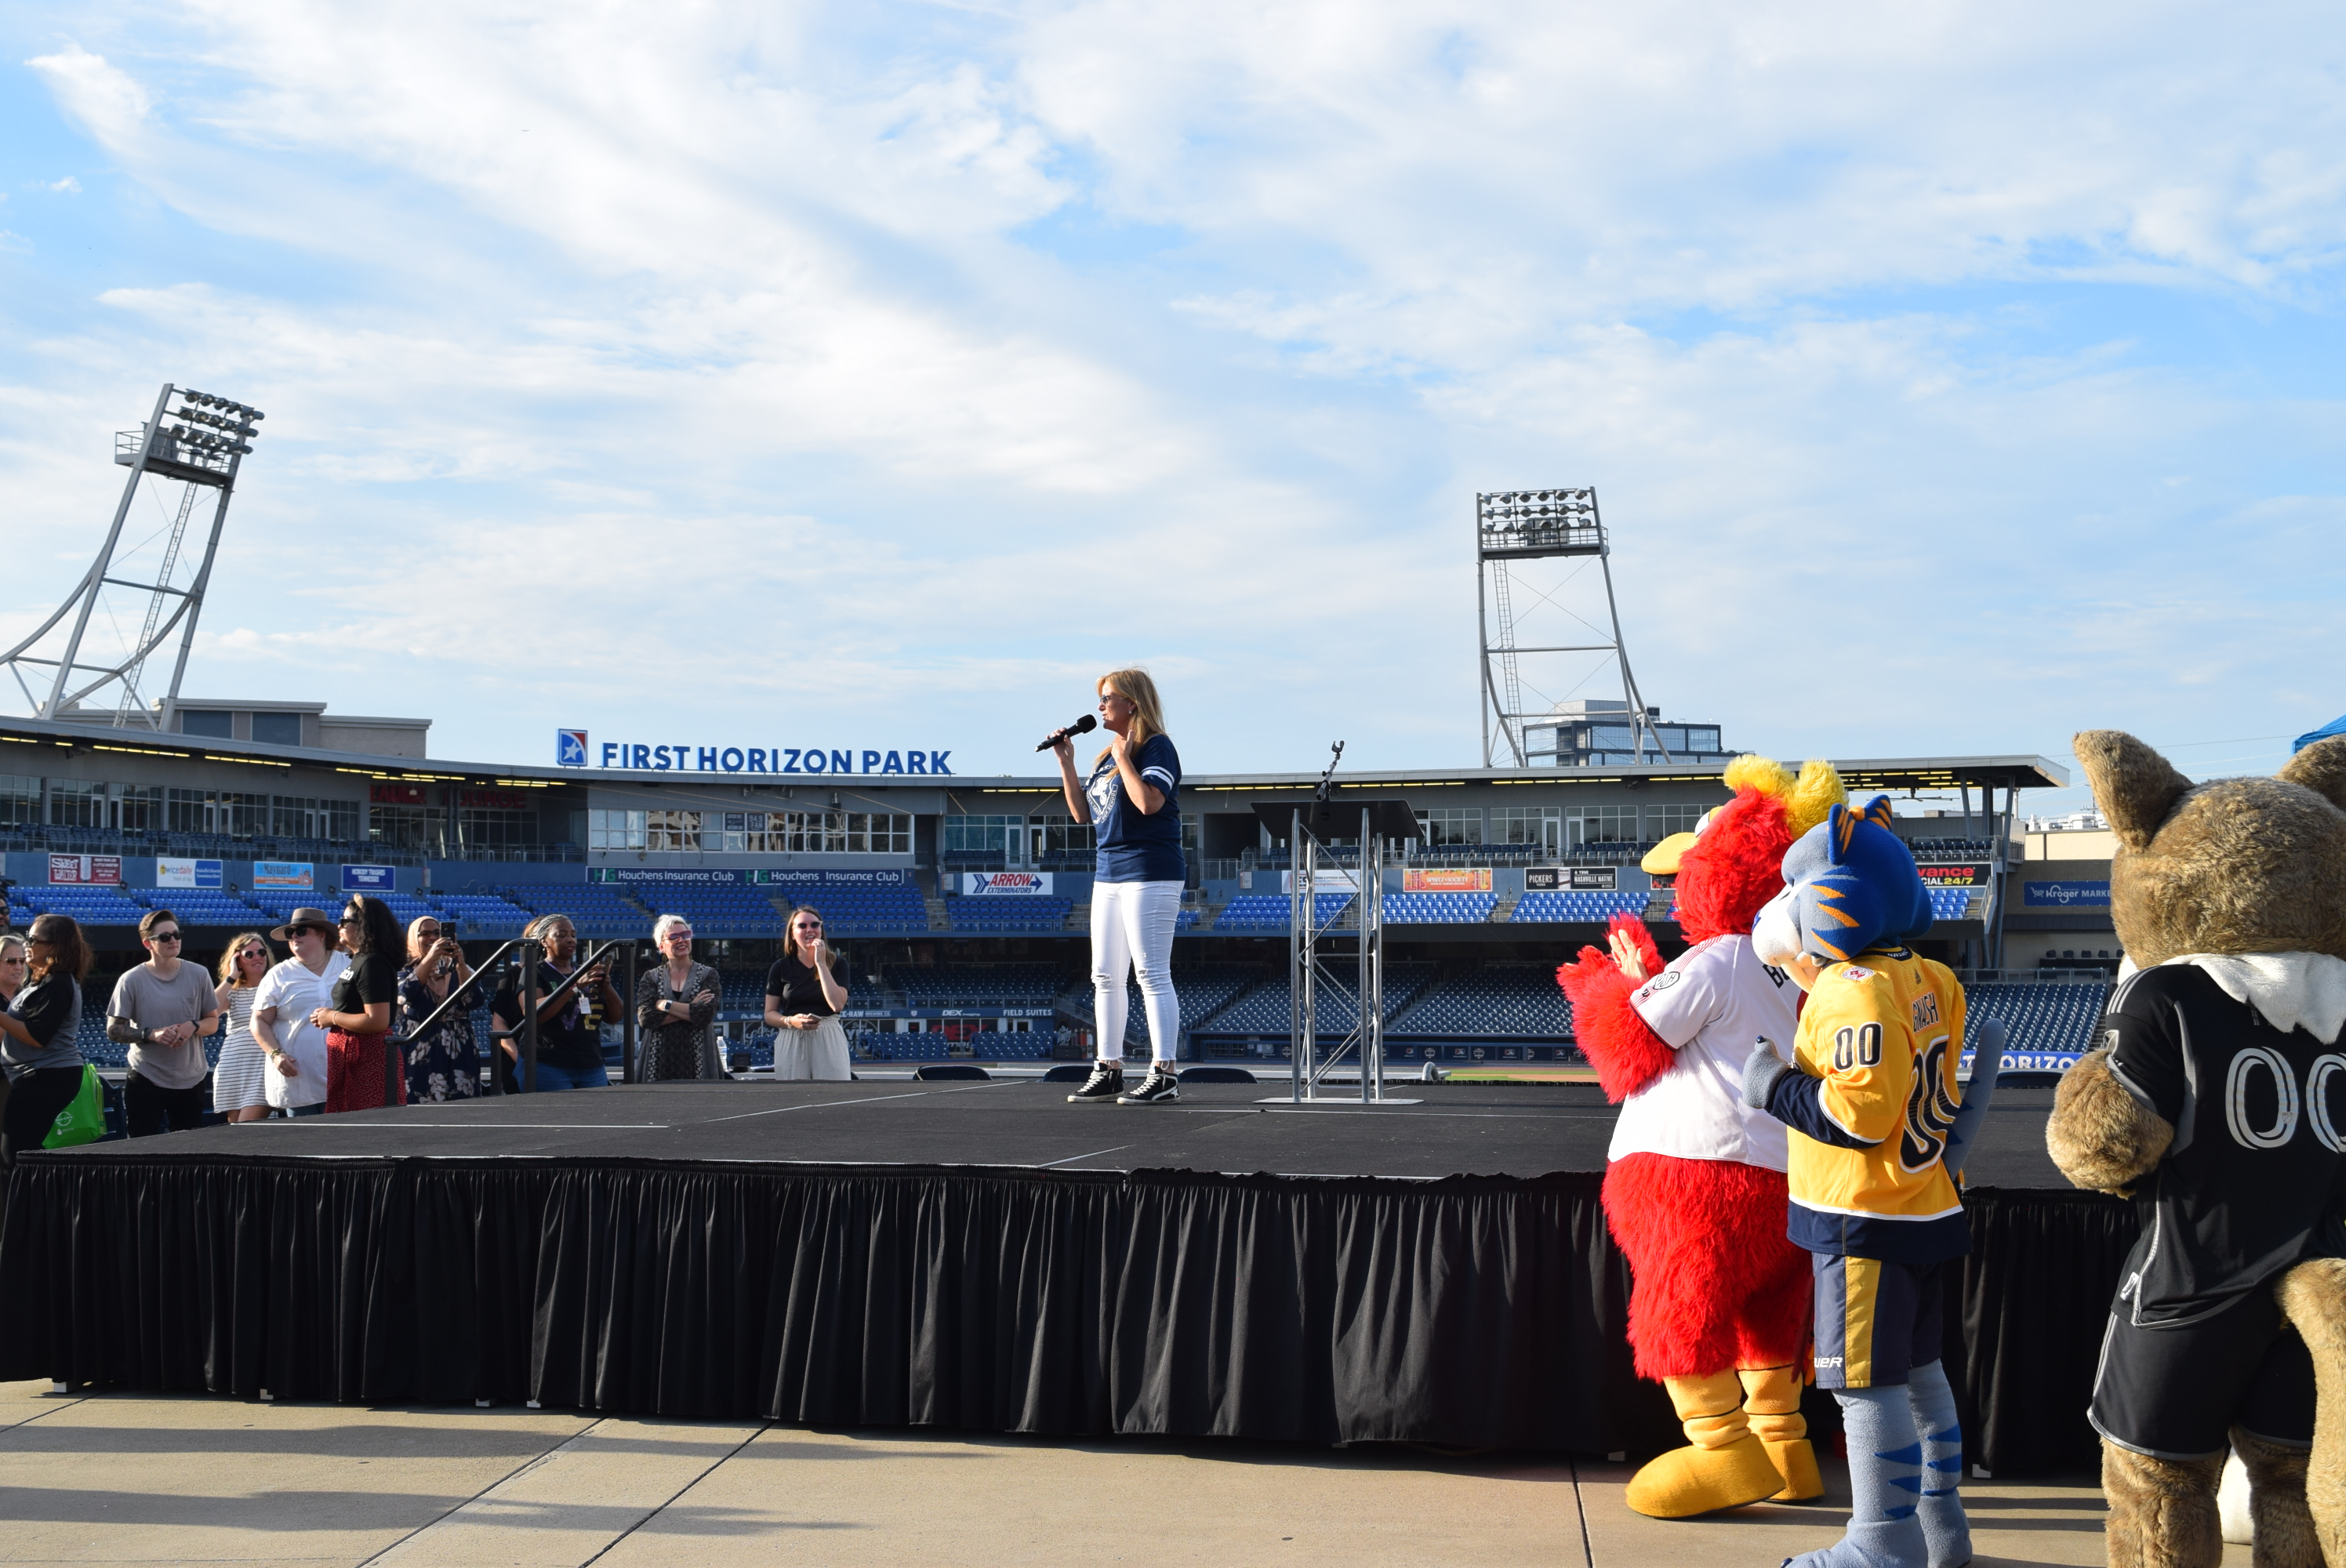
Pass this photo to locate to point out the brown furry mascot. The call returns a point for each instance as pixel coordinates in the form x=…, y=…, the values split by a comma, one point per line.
x=2216, y=1098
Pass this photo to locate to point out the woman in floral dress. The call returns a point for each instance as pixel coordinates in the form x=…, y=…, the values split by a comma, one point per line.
x=446, y=1064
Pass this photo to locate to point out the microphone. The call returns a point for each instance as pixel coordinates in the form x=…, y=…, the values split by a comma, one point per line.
x=1082, y=726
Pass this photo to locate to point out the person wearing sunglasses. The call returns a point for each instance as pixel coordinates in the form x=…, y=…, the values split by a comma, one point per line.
x=678, y=1012
x=804, y=993
x=40, y=1036
x=358, y=1020
x=162, y=1009
x=240, y=1076
x=289, y=994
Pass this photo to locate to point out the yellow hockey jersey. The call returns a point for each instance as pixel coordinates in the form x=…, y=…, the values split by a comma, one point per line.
x=1881, y=1037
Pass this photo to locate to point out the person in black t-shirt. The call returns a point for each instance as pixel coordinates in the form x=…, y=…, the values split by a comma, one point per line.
x=804, y=995
x=569, y=1031
x=359, y=1022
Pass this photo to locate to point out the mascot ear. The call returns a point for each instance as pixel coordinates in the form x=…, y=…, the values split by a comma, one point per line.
x=2136, y=787
x=2320, y=768
x=1844, y=825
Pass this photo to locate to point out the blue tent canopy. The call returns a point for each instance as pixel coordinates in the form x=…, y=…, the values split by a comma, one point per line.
x=2335, y=726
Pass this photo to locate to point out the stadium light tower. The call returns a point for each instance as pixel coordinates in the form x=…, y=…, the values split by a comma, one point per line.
x=199, y=441
x=1517, y=527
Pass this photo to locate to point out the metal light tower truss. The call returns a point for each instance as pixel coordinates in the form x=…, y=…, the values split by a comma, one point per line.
x=1512, y=527
x=198, y=440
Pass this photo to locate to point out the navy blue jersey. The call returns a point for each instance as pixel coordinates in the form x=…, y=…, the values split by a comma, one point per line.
x=1136, y=846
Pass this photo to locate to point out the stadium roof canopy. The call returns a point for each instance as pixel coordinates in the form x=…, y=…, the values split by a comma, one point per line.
x=1862, y=774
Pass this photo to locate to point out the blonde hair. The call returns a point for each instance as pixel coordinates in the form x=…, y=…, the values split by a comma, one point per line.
x=227, y=969
x=1148, y=712
x=660, y=926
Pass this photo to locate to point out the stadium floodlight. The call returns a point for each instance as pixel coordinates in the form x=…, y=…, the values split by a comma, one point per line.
x=172, y=444
x=1517, y=527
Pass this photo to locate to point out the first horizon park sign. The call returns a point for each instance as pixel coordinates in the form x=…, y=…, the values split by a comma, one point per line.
x=571, y=751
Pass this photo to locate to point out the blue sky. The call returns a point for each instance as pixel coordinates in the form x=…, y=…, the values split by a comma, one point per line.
x=1953, y=377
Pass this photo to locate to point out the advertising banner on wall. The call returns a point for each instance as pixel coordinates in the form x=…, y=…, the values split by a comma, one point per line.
x=1447, y=880
x=1326, y=880
x=879, y=877
x=723, y=876
x=1973, y=874
x=188, y=873
x=85, y=870
x=2065, y=895
x=370, y=878
x=1577, y=879
x=975, y=883
x=283, y=874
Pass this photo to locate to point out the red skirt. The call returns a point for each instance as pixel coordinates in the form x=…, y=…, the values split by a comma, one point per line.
x=354, y=1073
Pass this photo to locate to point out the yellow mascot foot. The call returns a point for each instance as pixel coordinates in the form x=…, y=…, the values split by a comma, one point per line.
x=1689, y=1481
x=1723, y=1465
x=1796, y=1467
x=1771, y=1406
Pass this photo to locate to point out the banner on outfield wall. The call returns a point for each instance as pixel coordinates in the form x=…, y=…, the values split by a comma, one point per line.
x=978, y=883
x=734, y=876
x=85, y=870
x=2023, y=1061
x=284, y=874
x=370, y=878
x=188, y=873
x=1577, y=879
x=1447, y=880
x=1973, y=875
x=1326, y=880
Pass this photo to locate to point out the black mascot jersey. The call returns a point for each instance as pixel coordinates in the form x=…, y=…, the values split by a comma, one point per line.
x=2256, y=1111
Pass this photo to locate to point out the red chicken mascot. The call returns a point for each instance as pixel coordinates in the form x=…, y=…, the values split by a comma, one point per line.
x=1694, y=1190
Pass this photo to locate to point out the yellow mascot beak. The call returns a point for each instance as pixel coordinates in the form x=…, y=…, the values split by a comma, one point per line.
x=1662, y=860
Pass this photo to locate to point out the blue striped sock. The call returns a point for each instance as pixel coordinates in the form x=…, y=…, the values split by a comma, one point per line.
x=1945, y=1528
x=1885, y=1483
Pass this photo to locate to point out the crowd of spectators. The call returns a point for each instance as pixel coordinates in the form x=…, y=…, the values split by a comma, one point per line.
x=311, y=1032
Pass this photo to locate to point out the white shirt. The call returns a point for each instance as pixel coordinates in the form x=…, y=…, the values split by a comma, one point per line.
x=1713, y=1002
x=295, y=992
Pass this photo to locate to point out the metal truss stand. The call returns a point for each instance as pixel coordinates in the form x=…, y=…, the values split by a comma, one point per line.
x=201, y=443
x=1523, y=525
x=1311, y=957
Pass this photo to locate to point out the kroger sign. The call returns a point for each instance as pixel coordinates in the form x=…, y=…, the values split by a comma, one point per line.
x=571, y=751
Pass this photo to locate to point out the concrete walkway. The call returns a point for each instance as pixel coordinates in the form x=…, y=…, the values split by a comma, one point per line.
x=124, y=1478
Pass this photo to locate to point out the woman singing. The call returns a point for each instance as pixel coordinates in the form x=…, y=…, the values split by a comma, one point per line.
x=803, y=996
x=1136, y=888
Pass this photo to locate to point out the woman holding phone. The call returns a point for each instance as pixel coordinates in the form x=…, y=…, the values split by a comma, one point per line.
x=1130, y=800
x=804, y=995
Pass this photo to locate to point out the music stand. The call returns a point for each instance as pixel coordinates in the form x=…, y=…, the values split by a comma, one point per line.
x=1307, y=826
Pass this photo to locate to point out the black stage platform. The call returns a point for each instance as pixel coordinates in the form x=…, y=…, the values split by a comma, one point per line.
x=969, y=1254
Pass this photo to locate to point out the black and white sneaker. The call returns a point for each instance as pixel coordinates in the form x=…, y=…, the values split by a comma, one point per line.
x=1106, y=1083
x=1159, y=1088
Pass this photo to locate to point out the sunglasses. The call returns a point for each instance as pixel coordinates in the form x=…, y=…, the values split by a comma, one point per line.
x=349, y=919
x=165, y=936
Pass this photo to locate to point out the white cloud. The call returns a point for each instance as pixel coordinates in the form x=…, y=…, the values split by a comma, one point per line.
x=817, y=357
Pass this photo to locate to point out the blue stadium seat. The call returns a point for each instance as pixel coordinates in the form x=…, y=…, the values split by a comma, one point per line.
x=1571, y=907
x=1273, y=912
x=1008, y=913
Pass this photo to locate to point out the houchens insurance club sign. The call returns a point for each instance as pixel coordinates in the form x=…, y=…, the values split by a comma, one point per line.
x=571, y=749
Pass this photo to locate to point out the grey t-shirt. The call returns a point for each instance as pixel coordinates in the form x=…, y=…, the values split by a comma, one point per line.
x=51, y=1008
x=153, y=1002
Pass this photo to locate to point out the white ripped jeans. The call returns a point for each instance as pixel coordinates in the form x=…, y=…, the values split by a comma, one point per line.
x=1132, y=931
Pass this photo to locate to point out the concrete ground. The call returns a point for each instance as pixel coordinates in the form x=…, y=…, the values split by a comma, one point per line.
x=132, y=1478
